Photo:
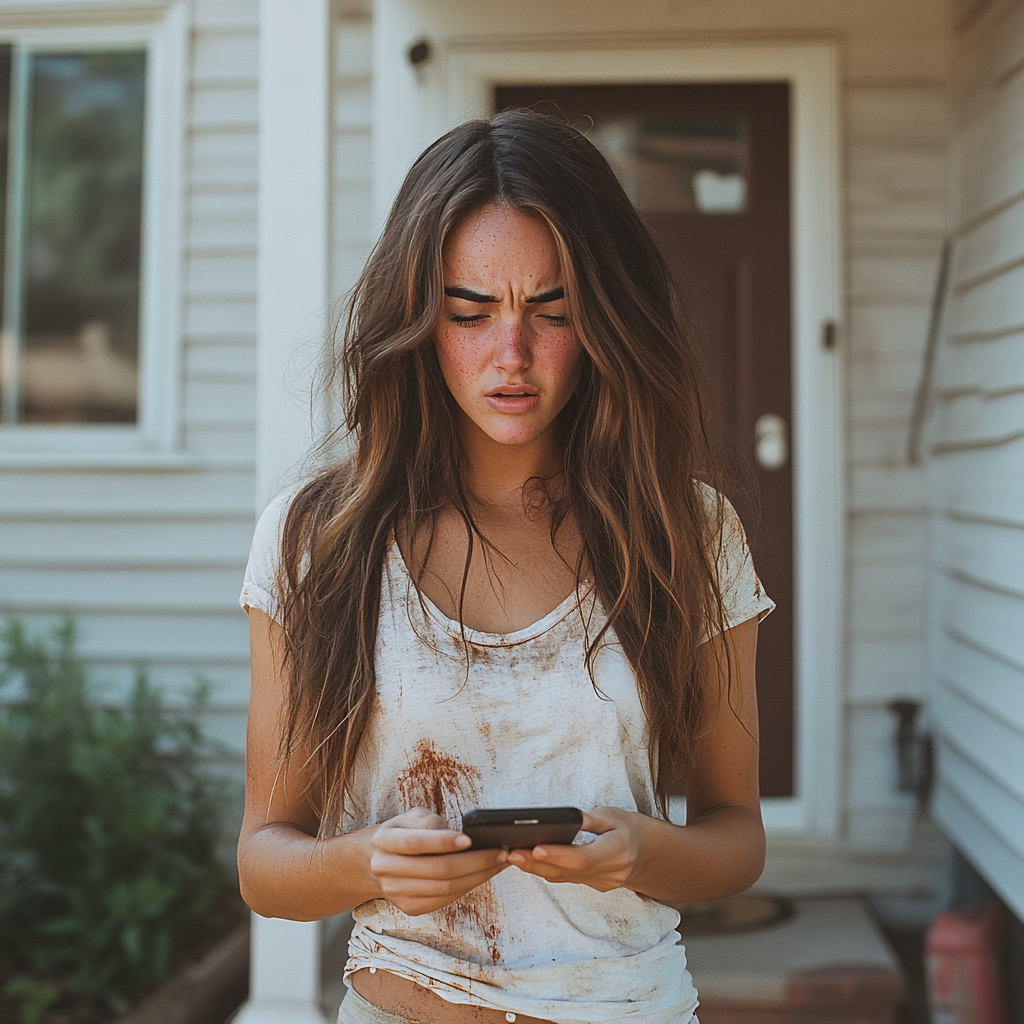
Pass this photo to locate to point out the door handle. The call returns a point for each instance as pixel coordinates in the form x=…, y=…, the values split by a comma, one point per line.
x=771, y=441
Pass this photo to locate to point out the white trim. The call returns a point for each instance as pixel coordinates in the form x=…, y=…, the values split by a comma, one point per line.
x=285, y=972
x=62, y=9
x=163, y=29
x=292, y=285
x=409, y=113
x=294, y=226
x=143, y=461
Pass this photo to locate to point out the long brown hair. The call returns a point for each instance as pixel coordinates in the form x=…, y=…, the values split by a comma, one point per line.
x=635, y=444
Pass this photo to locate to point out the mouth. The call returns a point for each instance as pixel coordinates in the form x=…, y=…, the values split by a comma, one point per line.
x=512, y=391
x=513, y=399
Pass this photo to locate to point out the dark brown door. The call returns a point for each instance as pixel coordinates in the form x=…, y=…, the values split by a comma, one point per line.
x=707, y=166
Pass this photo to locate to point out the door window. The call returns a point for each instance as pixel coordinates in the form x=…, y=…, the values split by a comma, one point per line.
x=678, y=164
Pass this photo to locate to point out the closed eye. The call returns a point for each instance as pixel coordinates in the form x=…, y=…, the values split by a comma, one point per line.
x=455, y=318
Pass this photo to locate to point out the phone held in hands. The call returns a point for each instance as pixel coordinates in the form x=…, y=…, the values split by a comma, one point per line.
x=521, y=828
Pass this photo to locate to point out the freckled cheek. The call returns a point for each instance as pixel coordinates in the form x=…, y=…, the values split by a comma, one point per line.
x=460, y=360
x=565, y=361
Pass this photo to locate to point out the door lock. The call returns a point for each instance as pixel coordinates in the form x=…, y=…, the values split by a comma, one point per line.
x=771, y=441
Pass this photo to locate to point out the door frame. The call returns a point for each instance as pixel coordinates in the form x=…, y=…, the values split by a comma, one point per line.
x=468, y=73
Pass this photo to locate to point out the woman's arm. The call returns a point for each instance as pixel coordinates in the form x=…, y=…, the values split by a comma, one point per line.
x=285, y=872
x=720, y=850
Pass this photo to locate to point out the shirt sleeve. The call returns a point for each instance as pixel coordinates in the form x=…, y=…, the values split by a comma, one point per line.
x=743, y=597
x=259, y=586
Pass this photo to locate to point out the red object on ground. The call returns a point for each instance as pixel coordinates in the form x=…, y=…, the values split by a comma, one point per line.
x=966, y=979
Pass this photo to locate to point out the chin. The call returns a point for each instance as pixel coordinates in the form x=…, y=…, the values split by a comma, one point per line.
x=512, y=437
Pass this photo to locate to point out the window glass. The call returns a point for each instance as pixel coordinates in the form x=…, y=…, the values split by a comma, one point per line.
x=72, y=320
x=678, y=164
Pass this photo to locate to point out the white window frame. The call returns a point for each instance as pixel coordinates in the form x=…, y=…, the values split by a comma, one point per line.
x=411, y=110
x=162, y=29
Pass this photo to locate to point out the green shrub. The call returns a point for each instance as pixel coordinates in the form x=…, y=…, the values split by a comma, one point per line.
x=108, y=833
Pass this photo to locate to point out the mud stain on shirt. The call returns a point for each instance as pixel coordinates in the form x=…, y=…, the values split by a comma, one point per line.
x=439, y=781
x=479, y=910
x=448, y=786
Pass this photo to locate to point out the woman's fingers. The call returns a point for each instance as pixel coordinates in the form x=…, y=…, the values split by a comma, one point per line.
x=415, y=896
x=444, y=889
x=602, y=819
x=413, y=842
x=384, y=863
x=568, y=858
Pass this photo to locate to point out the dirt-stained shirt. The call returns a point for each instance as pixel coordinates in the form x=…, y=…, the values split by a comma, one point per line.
x=469, y=719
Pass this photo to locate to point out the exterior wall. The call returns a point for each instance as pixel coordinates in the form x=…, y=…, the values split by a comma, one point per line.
x=897, y=218
x=977, y=465
x=149, y=560
x=353, y=226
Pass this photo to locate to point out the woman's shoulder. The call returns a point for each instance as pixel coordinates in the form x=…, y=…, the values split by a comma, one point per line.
x=742, y=595
x=309, y=495
x=262, y=573
x=724, y=526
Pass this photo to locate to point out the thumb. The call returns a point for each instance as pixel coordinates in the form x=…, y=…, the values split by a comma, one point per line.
x=597, y=821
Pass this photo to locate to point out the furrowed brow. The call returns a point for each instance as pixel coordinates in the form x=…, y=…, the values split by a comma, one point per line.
x=469, y=295
x=551, y=295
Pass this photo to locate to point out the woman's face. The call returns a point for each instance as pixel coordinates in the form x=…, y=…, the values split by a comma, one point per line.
x=506, y=349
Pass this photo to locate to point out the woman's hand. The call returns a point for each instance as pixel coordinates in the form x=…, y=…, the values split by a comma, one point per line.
x=609, y=862
x=422, y=865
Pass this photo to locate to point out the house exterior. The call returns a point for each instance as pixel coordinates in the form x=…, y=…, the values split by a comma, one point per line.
x=276, y=133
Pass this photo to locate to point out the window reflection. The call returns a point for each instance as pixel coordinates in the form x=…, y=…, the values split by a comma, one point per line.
x=678, y=164
x=77, y=309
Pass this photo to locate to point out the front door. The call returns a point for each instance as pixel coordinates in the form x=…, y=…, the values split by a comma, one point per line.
x=707, y=166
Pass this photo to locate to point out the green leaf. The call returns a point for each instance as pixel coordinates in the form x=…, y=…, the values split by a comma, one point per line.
x=109, y=825
x=35, y=997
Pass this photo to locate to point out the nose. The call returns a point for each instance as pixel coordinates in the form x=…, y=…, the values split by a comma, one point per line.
x=511, y=353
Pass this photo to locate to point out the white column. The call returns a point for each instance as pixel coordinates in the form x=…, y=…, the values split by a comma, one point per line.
x=284, y=985
x=293, y=236
x=292, y=281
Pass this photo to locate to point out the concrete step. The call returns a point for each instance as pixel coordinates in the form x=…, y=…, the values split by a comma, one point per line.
x=826, y=964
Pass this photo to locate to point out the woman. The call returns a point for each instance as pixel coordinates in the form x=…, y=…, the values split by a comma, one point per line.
x=515, y=594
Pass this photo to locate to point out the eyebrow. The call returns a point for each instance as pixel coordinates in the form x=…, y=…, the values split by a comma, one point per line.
x=469, y=295
x=551, y=295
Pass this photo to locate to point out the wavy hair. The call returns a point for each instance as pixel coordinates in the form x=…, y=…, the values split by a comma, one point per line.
x=635, y=444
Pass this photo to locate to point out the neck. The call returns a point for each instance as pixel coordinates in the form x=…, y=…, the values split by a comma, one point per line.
x=494, y=474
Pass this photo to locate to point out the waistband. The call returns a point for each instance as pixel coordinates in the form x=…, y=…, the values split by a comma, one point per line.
x=355, y=1009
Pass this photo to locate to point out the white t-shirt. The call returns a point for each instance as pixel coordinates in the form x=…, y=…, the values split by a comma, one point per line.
x=517, y=723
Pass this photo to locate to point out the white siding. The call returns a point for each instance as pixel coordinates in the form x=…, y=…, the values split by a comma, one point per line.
x=150, y=561
x=897, y=218
x=352, y=215
x=977, y=467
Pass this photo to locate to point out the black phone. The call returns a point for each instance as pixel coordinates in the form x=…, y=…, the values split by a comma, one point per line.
x=520, y=828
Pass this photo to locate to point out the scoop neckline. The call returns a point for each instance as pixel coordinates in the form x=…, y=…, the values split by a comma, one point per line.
x=478, y=637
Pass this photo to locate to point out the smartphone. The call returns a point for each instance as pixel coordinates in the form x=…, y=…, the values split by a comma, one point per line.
x=520, y=828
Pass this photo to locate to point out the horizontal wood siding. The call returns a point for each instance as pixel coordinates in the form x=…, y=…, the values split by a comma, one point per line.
x=150, y=561
x=977, y=468
x=897, y=218
x=351, y=210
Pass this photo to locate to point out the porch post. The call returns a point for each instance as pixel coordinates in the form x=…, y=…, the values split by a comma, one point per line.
x=293, y=235
x=292, y=281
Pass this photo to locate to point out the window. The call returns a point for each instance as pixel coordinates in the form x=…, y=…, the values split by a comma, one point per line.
x=678, y=164
x=90, y=127
x=73, y=221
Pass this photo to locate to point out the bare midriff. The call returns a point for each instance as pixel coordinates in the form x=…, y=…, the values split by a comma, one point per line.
x=418, y=1005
